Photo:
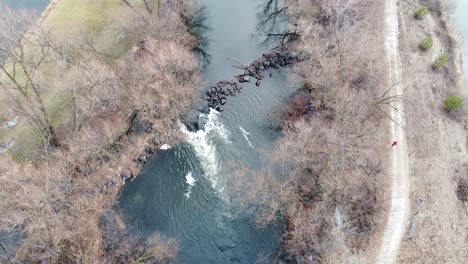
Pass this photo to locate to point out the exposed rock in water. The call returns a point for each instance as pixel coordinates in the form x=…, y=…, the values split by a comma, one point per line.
x=244, y=78
x=274, y=59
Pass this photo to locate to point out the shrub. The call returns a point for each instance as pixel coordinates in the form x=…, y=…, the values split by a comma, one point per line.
x=462, y=190
x=297, y=107
x=422, y=11
x=452, y=103
x=426, y=43
x=440, y=61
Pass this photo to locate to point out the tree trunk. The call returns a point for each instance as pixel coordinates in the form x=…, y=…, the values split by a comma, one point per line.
x=148, y=7
x=127, y=3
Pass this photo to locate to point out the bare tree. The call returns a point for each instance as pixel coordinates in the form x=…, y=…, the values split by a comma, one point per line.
x=24, y=49
x=127, y=3
x=91, y=87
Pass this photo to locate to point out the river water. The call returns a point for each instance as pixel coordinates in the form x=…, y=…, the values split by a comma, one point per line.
x=38, y=5
x=461, y=23
x=182, y=192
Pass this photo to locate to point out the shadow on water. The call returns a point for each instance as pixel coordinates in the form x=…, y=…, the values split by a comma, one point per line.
x=273, y=24
x=182, y=192
x=198, y=26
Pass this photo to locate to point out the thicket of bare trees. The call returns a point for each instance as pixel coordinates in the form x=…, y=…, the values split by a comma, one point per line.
x=60, y=195
x=327, y=176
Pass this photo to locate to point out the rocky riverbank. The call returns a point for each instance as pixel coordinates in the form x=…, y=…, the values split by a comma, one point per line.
x=215, y=98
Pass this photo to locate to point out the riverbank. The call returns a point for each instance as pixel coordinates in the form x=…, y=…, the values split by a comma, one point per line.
x=106, y=134
x=438, y=223
x=456, y=45
x=47, y=11
x=334, y=151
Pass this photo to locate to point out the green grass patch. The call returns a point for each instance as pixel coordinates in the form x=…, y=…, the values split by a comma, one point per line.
x=68, y=20
x=441, y=61
x=97, y=20
x=453, y=103
x=421, y=12
x=69, y=17
x=426, y=44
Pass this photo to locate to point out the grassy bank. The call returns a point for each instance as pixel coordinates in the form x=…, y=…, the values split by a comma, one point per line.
x=73, y=25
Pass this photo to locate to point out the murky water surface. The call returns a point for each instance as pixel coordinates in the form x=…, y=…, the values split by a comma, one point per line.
x=182, y=192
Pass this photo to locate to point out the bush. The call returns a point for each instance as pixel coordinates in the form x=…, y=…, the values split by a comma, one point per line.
x=452, y=103
x=462, y=190
x=426, y=43
x=422, y=11
x=440, y=61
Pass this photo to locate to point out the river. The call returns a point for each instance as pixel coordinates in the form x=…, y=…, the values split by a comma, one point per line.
x=461, y=24
x=38, y=5
x=182, y=192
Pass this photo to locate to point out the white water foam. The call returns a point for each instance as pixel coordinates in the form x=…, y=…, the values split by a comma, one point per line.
x=205, y=149
x=190, y=180
x=165, y=147
x=246, y=136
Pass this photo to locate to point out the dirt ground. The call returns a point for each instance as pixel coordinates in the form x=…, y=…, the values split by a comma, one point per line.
x=437, y=143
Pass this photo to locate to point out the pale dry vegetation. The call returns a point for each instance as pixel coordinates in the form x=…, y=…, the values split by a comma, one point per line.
x=85, y=106
x=327, y=177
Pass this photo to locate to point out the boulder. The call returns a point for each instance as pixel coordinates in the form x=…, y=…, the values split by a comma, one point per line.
x=149, y=150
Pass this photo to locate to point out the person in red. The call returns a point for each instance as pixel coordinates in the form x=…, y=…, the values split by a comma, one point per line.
x=394, y=143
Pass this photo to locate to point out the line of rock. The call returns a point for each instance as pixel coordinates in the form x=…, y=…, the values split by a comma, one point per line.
x=217, y=95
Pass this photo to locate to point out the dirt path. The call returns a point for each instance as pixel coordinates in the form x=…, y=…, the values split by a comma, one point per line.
x=396, y=223
x=437, y=141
